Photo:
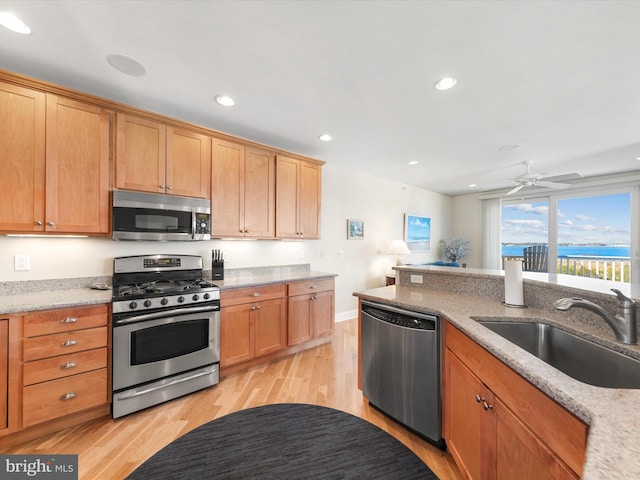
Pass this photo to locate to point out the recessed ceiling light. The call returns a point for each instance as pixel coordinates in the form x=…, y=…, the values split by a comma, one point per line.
x=127, y=65
x=471, y=185
x=509, y=146
x=325, y=137
x=225, y=100
x=445, y=83
x=637, y=158
x=413, y=162
x=13, y=23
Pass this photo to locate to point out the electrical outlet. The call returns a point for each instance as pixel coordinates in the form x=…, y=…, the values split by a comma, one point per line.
x=416, y=279
x=340, y=253
x=21, y=262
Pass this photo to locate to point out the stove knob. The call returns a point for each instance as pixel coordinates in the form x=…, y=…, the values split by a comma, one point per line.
x=147, y=303
x=133, y=305
x=207, y=296
x=164, y=301
x=195, y=297
x=180, y=299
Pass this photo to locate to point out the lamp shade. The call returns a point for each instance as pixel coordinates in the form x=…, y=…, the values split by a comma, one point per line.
x=398, y=247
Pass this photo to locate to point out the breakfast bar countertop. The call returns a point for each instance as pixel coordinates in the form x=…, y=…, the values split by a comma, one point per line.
x=613, y=450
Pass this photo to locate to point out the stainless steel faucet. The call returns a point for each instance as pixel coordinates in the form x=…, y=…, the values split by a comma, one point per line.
x=623, y=324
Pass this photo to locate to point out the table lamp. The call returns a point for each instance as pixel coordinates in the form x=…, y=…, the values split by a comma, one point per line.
x=398, y=247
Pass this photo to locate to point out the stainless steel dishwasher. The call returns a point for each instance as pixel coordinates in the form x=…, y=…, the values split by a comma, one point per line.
x=401, y=367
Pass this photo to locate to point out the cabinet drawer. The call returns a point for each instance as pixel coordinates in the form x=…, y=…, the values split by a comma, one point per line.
x=63, y=343
x=64, y=366
x=311, y=286
x=251, y=294
x=57, y=398
x=64, y=320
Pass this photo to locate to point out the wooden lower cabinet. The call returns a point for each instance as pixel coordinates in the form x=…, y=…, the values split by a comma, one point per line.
x=499, y=426
x=311, y=315
x=65, y=358
x=4, y=372
x=253, y=323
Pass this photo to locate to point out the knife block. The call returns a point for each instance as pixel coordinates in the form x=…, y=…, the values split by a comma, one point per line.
x=217, y=270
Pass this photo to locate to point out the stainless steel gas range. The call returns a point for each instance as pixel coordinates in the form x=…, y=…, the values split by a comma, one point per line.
x=166, y=330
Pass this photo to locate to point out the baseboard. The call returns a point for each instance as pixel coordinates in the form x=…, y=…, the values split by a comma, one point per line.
x=348, y=315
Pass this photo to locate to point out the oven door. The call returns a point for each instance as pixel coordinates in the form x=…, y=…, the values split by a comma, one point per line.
x=157, y=345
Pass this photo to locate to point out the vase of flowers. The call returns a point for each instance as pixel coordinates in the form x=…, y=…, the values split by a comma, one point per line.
x=453, y=249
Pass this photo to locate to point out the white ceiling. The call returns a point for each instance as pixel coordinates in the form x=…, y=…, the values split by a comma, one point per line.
x=560, y=78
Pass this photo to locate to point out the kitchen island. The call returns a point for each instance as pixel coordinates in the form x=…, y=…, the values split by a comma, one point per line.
x=613, y=449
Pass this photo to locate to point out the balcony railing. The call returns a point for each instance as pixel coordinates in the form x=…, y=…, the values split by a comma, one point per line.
x=604, y=268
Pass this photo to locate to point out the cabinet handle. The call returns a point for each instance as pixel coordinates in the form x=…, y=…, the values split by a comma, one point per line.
x=169, y=187
x=51, y=224
x=246, y=231
x=479, y=399
x=69, y=343
x=66, y=366
x=256, y=294
x=258, y=307
x=39, y=223
x=486, y=405
x=313, y=286
x=69, y=320
x=68, y=396
x=162, y=186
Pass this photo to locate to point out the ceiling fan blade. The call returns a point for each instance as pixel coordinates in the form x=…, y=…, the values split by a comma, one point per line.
x=517, y=189
x=556, y=185
x=562, y=178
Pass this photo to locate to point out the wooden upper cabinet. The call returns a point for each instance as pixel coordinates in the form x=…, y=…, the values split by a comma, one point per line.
x=188, y=163
x=242, y=191
x=152, y=157
x=298, y=194
x=22, y=157
x=77, y=167
x=55, y=160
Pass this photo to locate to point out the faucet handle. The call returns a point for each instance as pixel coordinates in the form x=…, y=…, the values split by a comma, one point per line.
x=623, y=301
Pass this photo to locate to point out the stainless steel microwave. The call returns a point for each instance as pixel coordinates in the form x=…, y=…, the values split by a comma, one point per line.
x=149, y=216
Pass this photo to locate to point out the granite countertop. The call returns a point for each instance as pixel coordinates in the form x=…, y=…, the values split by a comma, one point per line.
x=613, y=449
x=258, y=278
x=54, y=294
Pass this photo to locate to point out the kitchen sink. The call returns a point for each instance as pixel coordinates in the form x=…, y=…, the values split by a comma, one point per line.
x=578, y=357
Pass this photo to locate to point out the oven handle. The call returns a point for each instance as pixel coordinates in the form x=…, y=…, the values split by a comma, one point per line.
x=137, y=393
x=166, y=313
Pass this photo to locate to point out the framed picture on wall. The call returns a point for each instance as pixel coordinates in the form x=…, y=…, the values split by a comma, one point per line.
x=355, y=229
x=417, y=232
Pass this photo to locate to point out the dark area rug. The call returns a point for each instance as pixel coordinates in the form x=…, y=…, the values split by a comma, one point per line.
x=285, y=441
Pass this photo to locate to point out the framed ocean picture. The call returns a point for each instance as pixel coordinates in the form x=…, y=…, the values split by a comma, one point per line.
x=355, y=229
x=417, y=232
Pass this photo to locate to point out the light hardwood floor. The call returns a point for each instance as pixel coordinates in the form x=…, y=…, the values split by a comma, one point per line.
x=325, y=375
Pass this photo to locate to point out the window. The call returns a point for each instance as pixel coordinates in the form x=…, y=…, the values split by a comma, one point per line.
x=585, y=235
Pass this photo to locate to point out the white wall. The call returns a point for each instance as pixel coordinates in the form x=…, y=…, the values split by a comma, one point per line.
x=467, y=224
x=346, y=194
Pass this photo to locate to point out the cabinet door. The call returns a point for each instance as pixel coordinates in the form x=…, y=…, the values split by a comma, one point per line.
x=520, y=454
x=22, y=157
x=300, y=326
x=287, y=194
x=468, y=428
x=188, y=163
x=227, y=189
x=270, y=326
x=4, y=372
x=259, y=194
x=140, y=149
x=77, y=167
x=323, y=313
x=310, y=193
x=236, y=335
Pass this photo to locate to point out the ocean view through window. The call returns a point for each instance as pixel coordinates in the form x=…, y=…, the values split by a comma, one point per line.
x=590, y=237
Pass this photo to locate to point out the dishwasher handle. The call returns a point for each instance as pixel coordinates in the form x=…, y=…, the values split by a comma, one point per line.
x=400, y=317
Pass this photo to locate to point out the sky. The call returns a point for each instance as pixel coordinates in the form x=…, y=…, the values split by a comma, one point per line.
x=600, y=219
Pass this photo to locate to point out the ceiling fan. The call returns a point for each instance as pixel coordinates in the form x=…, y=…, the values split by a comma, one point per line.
x=531, y=179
